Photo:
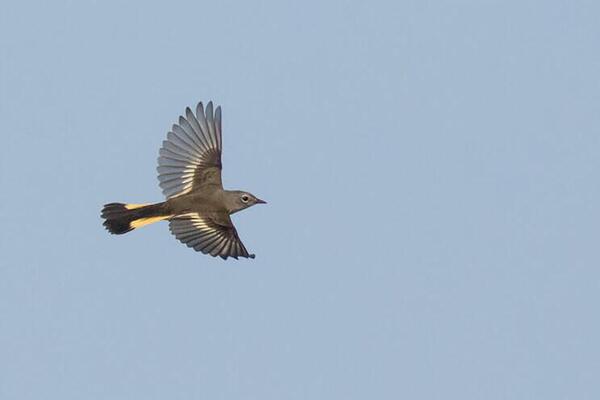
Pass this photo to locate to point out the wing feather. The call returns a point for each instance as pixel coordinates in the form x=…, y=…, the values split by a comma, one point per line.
x=210, y=234
x=190, y=158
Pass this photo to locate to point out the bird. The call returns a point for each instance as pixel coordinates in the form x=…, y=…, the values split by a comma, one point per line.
x=189, y=173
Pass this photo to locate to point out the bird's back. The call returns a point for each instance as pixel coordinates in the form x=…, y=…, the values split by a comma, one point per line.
x=210, y=199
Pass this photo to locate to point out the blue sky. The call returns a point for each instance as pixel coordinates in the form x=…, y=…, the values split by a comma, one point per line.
x=431, y=169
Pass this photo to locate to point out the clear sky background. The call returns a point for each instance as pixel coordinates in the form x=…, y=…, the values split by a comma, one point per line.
x=432, y=171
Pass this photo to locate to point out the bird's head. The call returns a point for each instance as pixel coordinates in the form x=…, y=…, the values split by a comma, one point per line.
x=239, y=200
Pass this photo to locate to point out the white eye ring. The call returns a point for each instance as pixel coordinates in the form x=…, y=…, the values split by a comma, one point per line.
x=245, y=198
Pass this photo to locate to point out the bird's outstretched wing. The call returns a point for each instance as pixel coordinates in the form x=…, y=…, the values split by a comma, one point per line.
x=210, y=233
x=190, y=158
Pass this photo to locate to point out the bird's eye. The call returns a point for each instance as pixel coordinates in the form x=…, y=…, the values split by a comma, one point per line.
x=245, y=198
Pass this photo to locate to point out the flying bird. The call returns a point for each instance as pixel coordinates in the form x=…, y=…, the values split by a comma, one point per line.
x=197, y=207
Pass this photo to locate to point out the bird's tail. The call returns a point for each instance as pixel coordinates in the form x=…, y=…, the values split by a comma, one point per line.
x=121, y=218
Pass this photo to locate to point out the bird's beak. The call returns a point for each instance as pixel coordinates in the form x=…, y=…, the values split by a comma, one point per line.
x=259, y=201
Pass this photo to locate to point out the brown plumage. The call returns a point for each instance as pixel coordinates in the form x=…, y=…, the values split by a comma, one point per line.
x=197, y=206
